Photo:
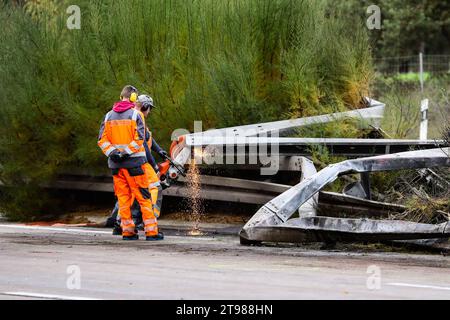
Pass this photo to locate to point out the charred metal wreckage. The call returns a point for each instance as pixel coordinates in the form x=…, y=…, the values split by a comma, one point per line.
x=275, y=221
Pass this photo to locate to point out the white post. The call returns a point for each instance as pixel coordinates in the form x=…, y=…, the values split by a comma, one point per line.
x=421, y=71
x=423, y=119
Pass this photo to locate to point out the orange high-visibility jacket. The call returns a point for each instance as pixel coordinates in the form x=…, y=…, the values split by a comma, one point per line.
x=124, y=131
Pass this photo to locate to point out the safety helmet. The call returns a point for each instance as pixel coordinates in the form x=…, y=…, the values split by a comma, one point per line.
x=146, y=101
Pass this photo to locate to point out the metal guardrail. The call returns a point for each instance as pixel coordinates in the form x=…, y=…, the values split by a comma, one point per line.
x=273, y=221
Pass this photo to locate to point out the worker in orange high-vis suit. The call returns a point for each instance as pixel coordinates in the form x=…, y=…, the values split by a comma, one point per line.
x=121, y=138
x=145, y=104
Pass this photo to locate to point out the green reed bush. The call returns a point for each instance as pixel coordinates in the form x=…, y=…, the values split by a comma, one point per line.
x=225, y=62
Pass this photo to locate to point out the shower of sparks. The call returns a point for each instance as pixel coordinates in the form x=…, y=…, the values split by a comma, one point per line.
x=194, y=188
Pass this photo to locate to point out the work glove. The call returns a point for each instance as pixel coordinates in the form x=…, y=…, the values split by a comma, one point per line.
x=165, y=184
x=163, y=154
x=118, y=156
x=115, y=156
x=124, y=156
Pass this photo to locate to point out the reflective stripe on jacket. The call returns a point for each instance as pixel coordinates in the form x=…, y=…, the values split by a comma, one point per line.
x=124, y=131
x=150, y=159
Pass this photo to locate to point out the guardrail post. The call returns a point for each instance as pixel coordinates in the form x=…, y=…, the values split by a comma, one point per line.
x=423, y=119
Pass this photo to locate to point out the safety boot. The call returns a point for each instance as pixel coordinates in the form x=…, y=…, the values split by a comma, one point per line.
x=159, y=236
x=133, y=237
x=117, y=230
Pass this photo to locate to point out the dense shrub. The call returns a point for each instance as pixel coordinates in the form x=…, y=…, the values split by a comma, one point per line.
x=223, y=62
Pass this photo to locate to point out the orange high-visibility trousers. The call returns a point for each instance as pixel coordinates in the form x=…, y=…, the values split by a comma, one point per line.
x=130, y=184
x=155, y=190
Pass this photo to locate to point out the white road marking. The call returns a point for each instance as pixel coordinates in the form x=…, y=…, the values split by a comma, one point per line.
x=69, y=230
x=79, y=230
x=46, y=296
x=399, y=284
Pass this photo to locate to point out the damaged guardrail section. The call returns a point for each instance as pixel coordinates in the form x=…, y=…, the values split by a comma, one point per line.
x=185, y=144
x=271, y=223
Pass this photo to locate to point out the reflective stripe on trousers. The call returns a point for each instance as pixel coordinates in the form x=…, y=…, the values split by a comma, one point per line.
x=128, y=227
x=150, y=230
x=156, y=210
x=149, y=221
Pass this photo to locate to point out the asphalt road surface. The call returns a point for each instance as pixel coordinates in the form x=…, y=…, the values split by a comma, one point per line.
x=83, y=263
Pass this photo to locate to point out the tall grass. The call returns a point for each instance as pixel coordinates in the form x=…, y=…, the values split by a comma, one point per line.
x=225, y=62
x=403, y=99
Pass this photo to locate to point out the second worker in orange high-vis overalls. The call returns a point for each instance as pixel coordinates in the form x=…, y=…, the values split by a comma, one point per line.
x=121, y=138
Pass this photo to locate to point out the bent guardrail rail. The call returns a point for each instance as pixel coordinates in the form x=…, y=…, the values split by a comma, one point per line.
x=271, y=222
